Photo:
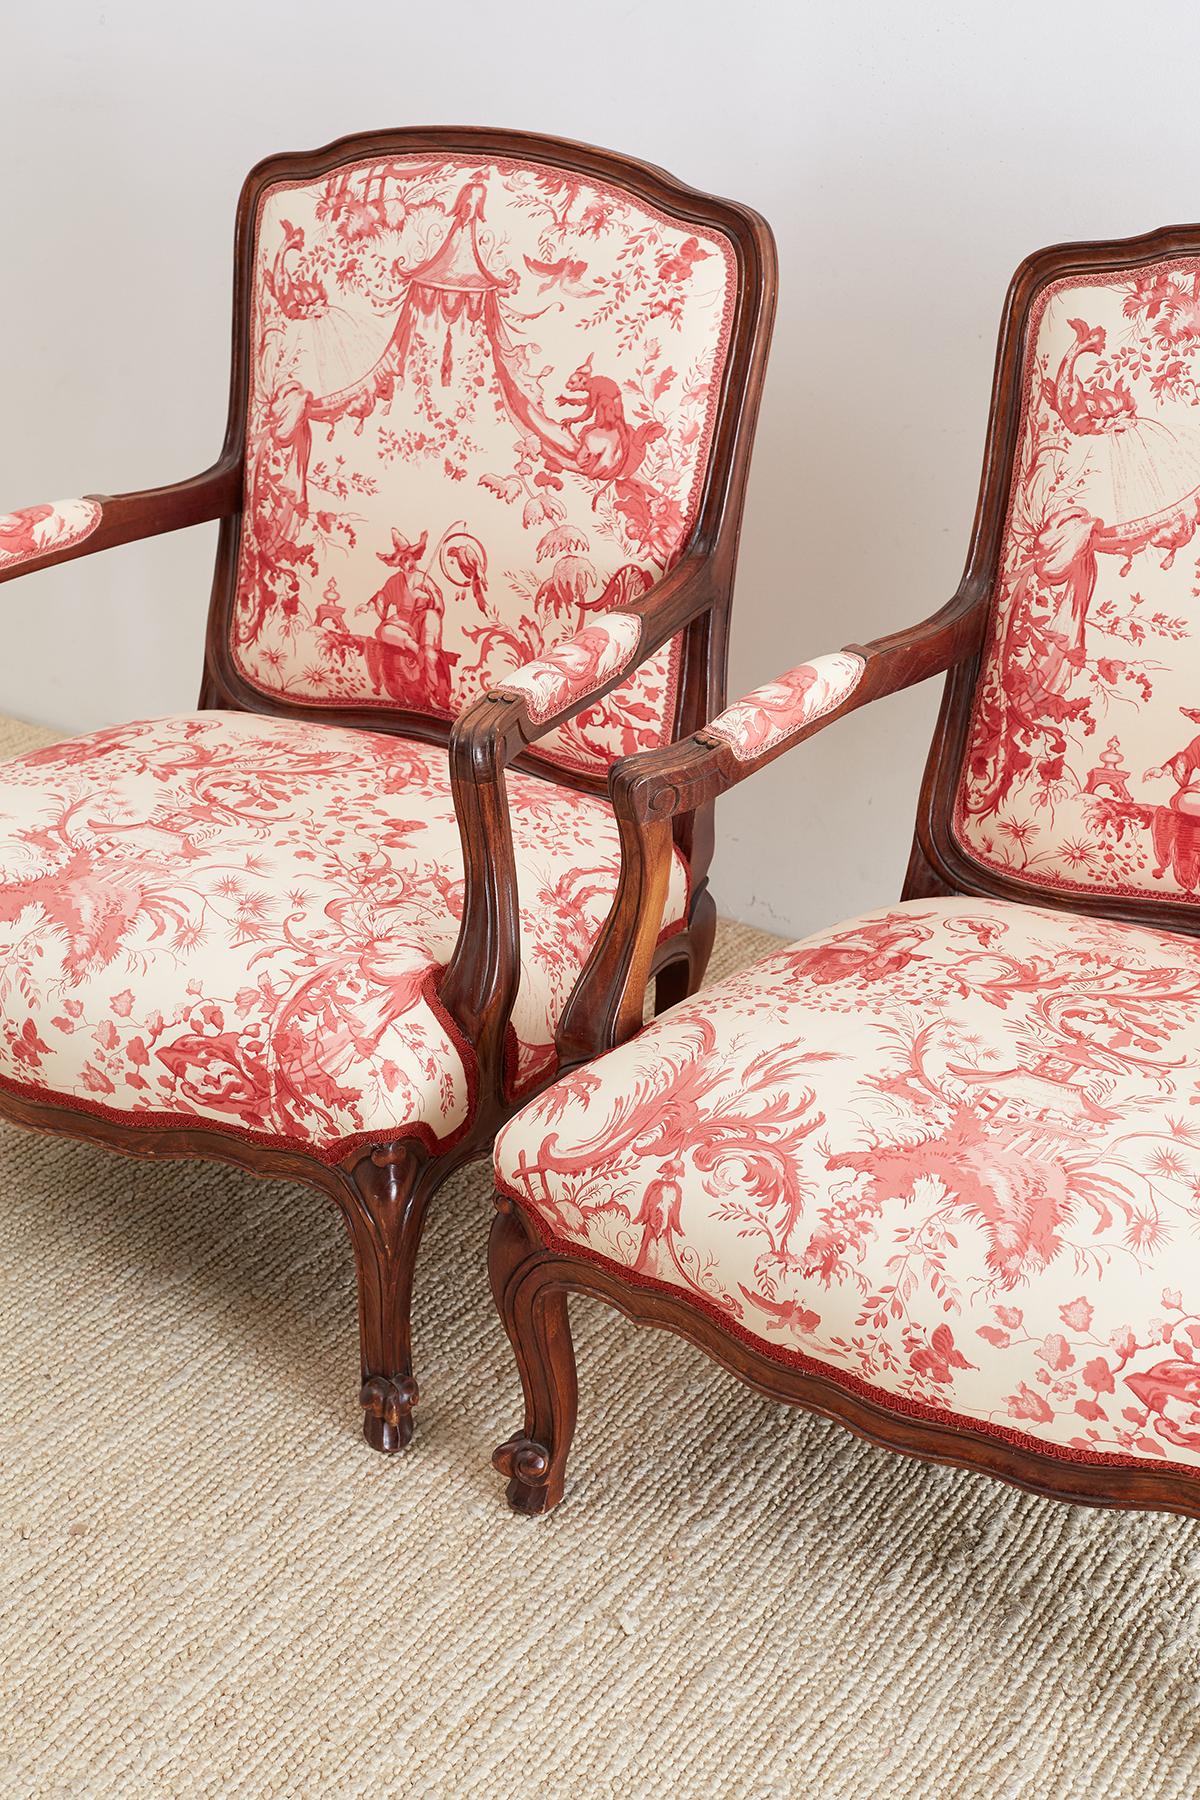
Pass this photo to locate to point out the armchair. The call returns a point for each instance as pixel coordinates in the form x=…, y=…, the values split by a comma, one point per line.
x=492, y=403
x=933, y=1172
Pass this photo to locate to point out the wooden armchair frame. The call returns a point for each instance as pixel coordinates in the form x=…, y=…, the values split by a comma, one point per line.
x=651, y=792
x=384, y=1190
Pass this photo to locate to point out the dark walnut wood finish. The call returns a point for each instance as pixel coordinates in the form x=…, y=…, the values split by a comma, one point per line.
x=384, y=1190
x=651, y=792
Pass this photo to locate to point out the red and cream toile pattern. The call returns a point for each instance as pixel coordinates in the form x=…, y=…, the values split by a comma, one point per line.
x=241, y=919
x=949, y=1153
x=1084, y=752
x=36, y=530
x=771, y=713
x=577, y=666
x=483, y=397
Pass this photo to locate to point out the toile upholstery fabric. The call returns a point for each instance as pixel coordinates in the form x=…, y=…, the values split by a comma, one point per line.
x=1082, y=771
x=947, y=1154
x=771, y=713
x=573, y=668
x=237, y=919
x=483, y=397
x=53, y=525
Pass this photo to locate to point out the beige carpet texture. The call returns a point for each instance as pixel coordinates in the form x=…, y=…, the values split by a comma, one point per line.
x=211, y=1587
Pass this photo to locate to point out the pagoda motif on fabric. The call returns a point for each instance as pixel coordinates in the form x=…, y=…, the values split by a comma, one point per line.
x=508, y=372
x=1108, y=776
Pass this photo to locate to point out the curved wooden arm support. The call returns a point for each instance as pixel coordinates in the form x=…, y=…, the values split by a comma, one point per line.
x=651, y=790
x=215, y=494
x=607, y=1008
x=481, y=979
x=480, y=984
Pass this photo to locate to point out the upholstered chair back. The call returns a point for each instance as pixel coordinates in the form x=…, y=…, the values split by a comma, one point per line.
x=481, y=408
x=1082, y=767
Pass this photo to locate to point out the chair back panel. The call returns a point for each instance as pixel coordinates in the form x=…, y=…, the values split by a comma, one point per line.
x=1081, y=774
x=482, y=402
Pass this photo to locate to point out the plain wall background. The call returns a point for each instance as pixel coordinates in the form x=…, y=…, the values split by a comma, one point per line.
x=907, y=154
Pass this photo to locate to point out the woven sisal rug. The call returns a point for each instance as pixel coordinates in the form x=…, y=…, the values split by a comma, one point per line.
x=211, y=1587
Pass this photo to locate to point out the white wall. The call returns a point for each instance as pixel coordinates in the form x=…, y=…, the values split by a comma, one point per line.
x=907, y=154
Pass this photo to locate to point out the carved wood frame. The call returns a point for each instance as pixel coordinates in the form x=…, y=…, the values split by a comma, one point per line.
x=531, y=1280
x=384, y=1189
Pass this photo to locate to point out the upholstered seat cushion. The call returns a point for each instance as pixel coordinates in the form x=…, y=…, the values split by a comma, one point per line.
x=948, y=1154
x=240, y=920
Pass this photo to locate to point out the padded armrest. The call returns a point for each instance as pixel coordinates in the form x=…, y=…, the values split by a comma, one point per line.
x=36, y=537
x=770, y=714
x=770, y=719
x=36, y=531
x=548, y=690
x=600, y=652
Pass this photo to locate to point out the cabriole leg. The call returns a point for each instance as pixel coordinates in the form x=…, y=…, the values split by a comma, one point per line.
x=534, y=1311
x=385, y=1198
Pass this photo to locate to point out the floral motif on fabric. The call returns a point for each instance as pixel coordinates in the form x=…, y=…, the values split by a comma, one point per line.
x=242, y=919
x=482, y=405
x=1083, y=763
x=949, y=1152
